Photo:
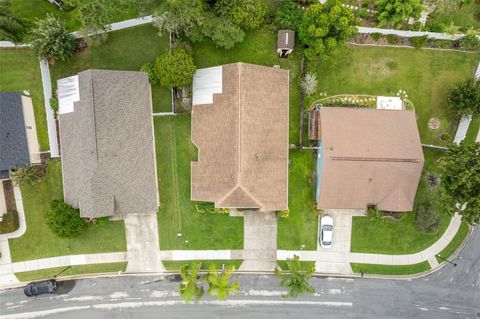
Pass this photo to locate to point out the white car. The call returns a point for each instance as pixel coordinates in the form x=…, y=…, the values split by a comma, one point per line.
x=326, y=231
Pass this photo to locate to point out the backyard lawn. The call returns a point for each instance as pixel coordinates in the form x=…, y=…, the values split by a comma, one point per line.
x=426, y=75
x=126, y=49
x=40, y=242
x=299, y=230
x=74, y=270
x=473, y=130
x=19, y=71
x=177, y=212
x=258, y=48
x=400, y=237
x=38, y=9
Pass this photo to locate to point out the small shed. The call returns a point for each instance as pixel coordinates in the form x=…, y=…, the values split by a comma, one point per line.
x=285, y=42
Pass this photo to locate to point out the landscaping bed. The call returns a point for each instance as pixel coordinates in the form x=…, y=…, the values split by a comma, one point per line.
x=40, y=242
x=19, y=71
x=9, y=222
x=177, y=213
x=127, y=50
x=299, y=230
x=74, y=270
x=427, y=76
x=390, y=270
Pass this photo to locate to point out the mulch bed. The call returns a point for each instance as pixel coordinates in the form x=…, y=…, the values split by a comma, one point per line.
x=9, y=196
x=393, y=215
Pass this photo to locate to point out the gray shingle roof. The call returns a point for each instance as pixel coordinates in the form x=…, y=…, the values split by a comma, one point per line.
x=13, y=137
x=107, y=145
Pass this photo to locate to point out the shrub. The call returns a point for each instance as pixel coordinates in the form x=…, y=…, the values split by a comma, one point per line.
x=54, y=106
x=427, y=219
x=28, y=175
x=374, y=215
x=432, y=180
x=100, y=221
x=289, y=15
x=376, y=36
x=470, y=41
x=175, y=69
x=64, y=221
x=392, y=39
x=396, y=12
x=149, y=68
x=464, y=99
x=419, y=42
x=284, y=213
x=51, y=40
x=309, y=83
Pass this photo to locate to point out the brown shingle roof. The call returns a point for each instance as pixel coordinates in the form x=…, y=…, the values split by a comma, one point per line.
x=107, y=145
x=242, y=140
x=369, y=157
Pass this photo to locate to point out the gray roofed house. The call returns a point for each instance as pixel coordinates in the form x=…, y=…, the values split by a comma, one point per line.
x=107, y=143
x=13, y=137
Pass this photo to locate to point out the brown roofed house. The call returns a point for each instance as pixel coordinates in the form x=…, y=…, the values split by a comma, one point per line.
x=369, y=157
x=107, y=143
x=240, y=126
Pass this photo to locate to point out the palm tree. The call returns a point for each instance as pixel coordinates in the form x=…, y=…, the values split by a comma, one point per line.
x=295, y=279
x=219, y=284
x=189, y=288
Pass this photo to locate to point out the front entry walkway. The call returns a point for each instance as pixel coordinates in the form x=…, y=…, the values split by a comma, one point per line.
x=260, y=241
x=143, y=248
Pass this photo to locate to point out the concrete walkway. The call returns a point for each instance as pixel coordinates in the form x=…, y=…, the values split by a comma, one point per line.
x=47, y=94
x=143, y=248
x=382, y=259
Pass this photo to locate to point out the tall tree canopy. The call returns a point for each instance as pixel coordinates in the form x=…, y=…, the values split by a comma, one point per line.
x=175, y=69
x=289, y=15
x=464, y=99
x=395, y=12
x=295, y=279
x=12, y=28
x=190, y=288
x=325, y=27
x=460, y=181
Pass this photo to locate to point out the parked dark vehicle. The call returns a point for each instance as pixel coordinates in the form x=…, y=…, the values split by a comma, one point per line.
x=41, y=287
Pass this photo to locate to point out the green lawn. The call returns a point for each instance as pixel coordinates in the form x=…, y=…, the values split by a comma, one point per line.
x=20, y=70
x=400, y=237
x=175, y=265
x=304, y=265
x=473, y=129
x=426, y=75
x=177, y=212
x=40, y=242
x=455, y=243
x=126, y=49
x=74, y=270
x=38, y=9
x=391, y=270
x=258, y=48
x=300, y=228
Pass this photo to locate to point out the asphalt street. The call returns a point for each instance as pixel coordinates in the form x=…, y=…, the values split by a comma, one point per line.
x=452, y=292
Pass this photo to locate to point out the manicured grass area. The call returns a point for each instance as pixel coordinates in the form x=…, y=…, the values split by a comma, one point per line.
x=40, y=242
x=74, y=270
x=258, y=48
x=177, y=212
x=463, y=17
x=455, y=243
x=38, y=9
x=473, y=129
x=400, y=237
x=390, y=270
x=126, y=49
x=305, y=265
x=299, y=230
x=175, y=265
x=426, y=75
x=19, y=71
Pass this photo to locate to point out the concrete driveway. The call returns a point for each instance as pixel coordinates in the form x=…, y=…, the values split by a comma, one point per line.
x=335, y=259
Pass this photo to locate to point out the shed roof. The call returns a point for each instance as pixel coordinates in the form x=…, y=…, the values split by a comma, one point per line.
x=370, y=157
x=242, y=140
x=13, y=137
x=286, y=39
x=107, y=145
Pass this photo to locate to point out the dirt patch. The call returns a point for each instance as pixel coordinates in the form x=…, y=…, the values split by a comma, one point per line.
x=9, y=196
x=382, y=68
x=434, y=123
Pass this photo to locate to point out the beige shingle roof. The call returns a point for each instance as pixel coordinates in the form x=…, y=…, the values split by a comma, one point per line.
x=242, y=140
x=107, y=145
x=369, y=157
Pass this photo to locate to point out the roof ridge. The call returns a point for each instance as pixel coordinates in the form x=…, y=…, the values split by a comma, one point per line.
x=241, y=188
